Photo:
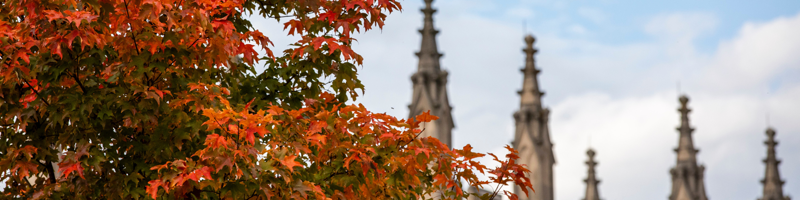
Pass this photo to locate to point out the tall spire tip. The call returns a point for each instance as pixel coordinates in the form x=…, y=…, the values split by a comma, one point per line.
x=529, y=39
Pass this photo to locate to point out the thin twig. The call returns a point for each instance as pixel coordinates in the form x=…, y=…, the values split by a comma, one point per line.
x=34, y=91
x=133, y=34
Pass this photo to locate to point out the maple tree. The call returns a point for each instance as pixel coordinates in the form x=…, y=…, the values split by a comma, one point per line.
x=137, y=99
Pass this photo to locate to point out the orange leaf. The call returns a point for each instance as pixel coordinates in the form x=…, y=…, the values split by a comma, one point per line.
x=232, y=128
x=317, y=139
x=426, y=117
x=215, y=141
x=25, y=169
x=290, y=163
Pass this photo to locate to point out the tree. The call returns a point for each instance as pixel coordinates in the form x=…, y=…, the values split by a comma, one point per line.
x=121, y=99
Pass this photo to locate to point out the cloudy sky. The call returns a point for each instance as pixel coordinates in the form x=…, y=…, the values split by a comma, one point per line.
x=612, y=71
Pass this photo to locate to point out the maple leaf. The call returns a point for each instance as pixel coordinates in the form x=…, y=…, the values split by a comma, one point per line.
x=316, y=139
x=78, y=16
x=204, y=172
x=24, y=168
x=152, y=188
x=159, y=167
x=216, y=141
x=68, y=167
x=295, y=26
x=289, y=162
x=23, y=55
x=329, y=16
x=223, y=161
x=356, y=156
x=418, y=150
x=248, y=52
x=426, y=117
x=316, y=127
x=27, y=151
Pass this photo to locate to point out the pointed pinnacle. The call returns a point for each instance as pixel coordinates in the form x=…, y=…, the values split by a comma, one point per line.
x=773, y=185
x=428, y=53
x=591, y=181
x=530, y=93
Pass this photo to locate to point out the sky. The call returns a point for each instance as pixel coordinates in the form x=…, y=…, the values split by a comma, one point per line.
x=612, y=71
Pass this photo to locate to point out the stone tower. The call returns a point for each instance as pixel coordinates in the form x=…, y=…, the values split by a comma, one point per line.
x=687, y=176
x=773, y=185
x=532, y=137
x=591, y=181
x=430, y=84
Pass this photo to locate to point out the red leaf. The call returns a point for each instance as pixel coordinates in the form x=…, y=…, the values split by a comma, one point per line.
x=248, y=52
x=28, y=98
x=204, y=172
x=24, y=56
x=294, y=26
x=250, y=137
x=330, y=16
x=68, y=167
x=317, y=42
x=152, y=188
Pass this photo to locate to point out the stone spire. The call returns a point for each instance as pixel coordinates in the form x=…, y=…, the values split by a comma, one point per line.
x=530, y=94
x=532, y=137
x=428, y=52
x=430, y=84
x=773, y=185
x=687, y=176
x=591, y=181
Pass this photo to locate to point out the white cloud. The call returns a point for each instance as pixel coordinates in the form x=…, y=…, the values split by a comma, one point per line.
x=758, y=53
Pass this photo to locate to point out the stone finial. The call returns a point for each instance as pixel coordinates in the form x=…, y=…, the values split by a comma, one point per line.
x=686, y=151
x=530, y=94
x=684, y=100
x=529, y=39
x=773, y=185
x=529, y=50
x=592, y=193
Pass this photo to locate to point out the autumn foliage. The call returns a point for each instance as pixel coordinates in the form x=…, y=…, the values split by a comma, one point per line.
x=138, y=99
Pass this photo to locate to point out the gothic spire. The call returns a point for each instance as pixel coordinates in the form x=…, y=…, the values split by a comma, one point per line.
x=687, y=177
x=773, y=185
x=532, y=135
x=591, y=181
x=687, y=154
x=530, y=94
x=428, y=53
x=430, y=84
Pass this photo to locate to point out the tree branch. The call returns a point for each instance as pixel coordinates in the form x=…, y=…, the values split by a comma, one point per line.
x=133, y=34
x=34, y=90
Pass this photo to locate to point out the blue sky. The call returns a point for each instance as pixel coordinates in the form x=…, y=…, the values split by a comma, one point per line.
x=611, y=71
